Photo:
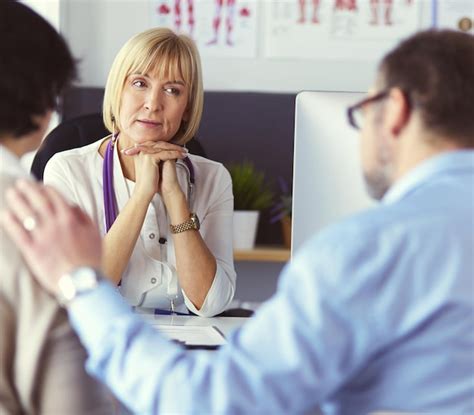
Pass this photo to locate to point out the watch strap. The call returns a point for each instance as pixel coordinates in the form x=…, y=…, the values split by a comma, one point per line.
x=191, y=223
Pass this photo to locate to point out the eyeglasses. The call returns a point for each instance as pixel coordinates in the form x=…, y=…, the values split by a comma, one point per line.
x=354, y=113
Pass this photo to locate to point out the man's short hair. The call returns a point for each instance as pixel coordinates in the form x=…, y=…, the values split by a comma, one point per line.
x=435, y=68
x=35, y=66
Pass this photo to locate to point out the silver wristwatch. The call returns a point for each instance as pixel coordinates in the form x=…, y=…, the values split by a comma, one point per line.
x=78, y=281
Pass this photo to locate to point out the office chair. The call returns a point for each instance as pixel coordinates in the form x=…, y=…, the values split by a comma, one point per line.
x=79, y=132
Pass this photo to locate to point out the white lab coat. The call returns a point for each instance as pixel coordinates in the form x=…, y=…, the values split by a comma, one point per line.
x=146, y=282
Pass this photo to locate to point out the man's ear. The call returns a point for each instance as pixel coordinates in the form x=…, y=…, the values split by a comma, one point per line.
x=397, y=111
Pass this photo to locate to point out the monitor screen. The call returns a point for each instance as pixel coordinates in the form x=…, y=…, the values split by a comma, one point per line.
x=327, y=183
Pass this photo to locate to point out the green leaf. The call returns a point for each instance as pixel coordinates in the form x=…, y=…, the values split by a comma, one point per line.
x=249, y=187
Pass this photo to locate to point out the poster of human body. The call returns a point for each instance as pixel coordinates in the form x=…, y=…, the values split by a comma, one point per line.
x=220, y=28
x=338, y=29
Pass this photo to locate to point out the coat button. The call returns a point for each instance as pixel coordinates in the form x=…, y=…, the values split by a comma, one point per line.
x=153, y=280
x=151, y=236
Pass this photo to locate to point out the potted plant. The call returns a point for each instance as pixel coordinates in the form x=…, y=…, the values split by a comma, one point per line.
x=281, y=211
x=251, y=195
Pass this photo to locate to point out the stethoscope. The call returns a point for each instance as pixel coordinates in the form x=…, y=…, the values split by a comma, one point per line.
x=110, y=206
x=111, y=213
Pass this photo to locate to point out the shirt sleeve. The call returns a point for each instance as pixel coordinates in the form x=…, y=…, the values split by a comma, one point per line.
x=216, y=231
x=294, y=353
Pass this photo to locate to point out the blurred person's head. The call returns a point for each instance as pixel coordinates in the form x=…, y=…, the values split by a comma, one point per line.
x=35, y=67
x=420, y=105
x=154, y=91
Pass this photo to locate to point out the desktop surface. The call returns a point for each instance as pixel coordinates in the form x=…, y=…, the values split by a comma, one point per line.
x=225, y=324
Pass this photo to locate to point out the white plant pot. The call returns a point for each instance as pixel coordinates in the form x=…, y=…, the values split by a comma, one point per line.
x=245, y=228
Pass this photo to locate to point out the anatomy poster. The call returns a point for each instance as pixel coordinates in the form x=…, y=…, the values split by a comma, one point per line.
x=453, y=14
x=338, y=29
x=220, y=28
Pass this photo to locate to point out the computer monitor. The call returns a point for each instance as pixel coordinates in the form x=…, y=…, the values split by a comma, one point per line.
x=327, y=183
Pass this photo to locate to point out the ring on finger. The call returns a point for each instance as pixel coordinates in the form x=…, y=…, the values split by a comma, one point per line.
x=29, y=223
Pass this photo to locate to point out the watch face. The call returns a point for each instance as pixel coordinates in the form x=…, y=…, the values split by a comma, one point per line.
x=195, y=219
x=76, y=282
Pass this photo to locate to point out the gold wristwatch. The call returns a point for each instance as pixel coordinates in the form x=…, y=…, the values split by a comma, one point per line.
x=191, y=223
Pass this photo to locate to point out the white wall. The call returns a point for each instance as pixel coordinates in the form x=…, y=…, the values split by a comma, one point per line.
x=49, y=9
x=96, y=29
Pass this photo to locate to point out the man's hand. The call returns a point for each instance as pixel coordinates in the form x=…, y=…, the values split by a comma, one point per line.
x=53, y=236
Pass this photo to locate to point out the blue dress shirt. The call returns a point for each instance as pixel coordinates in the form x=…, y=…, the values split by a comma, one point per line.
x=375, y=313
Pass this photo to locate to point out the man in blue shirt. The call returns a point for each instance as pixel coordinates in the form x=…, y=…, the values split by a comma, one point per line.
x=375, y=313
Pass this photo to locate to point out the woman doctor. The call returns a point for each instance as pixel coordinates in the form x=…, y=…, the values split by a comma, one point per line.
x=166, y=214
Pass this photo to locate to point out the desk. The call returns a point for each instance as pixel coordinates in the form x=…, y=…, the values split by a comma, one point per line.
x=263, y=253
x=225, y=324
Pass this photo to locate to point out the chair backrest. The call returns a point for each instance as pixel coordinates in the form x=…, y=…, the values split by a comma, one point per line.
x=79, y=132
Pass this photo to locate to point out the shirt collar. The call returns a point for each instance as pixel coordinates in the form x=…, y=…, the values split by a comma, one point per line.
x=10, y=164
x=446, y=162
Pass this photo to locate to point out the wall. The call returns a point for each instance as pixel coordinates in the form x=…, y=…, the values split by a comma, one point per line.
x=49, y=9
x=96, y=29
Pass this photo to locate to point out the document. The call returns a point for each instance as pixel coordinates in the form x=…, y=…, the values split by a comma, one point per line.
x=193, y=337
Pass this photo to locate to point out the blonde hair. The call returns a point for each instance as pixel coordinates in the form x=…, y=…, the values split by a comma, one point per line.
x=162, y=52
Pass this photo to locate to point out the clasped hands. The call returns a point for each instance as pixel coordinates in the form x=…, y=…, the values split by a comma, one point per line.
x=155, y=168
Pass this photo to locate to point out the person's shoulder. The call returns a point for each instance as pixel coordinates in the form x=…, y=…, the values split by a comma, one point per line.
x=354, y=236
x=209, y=169
x=10, y=257
x=76, y=159
x=378, y=233
x=367, y=222
x=16, y=276
x=344, y=257
x=79, y=153
x=203, y=162
x=6, y=180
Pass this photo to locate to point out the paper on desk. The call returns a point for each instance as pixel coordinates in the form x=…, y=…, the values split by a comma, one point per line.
x=192, y=335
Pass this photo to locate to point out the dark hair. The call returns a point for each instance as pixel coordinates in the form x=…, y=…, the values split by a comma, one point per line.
x=435, y=68
x=35, y=67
